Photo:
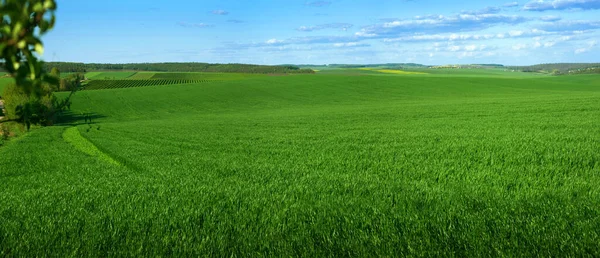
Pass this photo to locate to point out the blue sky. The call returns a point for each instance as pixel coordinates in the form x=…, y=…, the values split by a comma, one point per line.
x=326, y=31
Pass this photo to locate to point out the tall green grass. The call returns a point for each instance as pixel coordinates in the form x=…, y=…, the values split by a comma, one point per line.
x=314, y=165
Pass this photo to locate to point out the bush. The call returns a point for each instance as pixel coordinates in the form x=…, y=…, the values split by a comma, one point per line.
x=29, y=109
x=13, y=97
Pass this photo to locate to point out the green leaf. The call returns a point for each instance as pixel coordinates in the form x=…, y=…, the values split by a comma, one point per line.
x=39, y=48
x=17, y=29
x=49, y=4
x=22, y=44
x=38, y=7
x=5, y=29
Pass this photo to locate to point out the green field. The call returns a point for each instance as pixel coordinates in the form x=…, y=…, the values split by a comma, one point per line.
x=339, y=163
x=118, y=84
x=144, y=79
x=108, y=75
x=141, y=76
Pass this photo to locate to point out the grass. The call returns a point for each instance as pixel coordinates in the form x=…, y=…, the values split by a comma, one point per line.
x=5, y=82
x=91, y=75
x=73, y=137
x=109, y=75
x=141, y=76
x=314, y=165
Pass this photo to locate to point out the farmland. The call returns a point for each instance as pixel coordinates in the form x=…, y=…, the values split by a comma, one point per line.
x=108, y=75
x=116, y=84
x=345, y=162
x=391, y=71
x=143, y=79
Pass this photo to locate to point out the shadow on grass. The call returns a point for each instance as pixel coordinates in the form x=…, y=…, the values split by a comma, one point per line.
x=77, y=118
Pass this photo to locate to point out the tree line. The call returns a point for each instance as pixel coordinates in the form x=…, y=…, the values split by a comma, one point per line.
x=176, y=67
x=560, y=68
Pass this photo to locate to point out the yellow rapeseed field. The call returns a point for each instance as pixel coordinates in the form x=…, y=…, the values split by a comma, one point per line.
x=389, y=71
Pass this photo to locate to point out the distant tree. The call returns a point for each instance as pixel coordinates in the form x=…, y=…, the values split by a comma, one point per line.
x=71, y=82
x=55, y=72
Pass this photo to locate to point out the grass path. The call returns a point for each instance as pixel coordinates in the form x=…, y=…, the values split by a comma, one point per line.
x=72, y=136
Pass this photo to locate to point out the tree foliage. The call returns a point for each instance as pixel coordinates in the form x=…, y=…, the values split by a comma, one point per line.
x=30, y=100
x=23, y=23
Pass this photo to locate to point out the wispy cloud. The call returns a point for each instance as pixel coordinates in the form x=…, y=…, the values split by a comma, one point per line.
x=439, y=23
x=482, y=33
x=512, y=4
x=195, y=25
x=520, y=46
x=220, y=12
x=318, y=3
x=589, y=47
x=453, y=37
x=487, y=10
x=570, y=25
x=351, y=45
x=541, y=5
x=235, y=21
x=298, y=41
x=342, y=26
x=550, y=18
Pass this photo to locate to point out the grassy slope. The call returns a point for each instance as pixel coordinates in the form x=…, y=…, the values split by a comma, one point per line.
x=316, y=165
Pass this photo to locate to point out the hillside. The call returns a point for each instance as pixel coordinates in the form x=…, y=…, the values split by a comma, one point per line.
x=360, y=164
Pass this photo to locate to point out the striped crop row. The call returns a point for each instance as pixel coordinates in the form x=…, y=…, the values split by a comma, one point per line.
x=118, y=84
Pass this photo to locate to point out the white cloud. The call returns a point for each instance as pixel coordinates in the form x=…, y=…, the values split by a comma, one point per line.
x=274, y=41
x=589, y=47
x=541, y=5
x=471, y=48
x=350, y=44
x=515, y=33
x=440, y=24
x=550, y=18
x=467, y=37
x=519, y=47
x=453, y=48
x=513, y=4
x=220, y=12
x=341, y=26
